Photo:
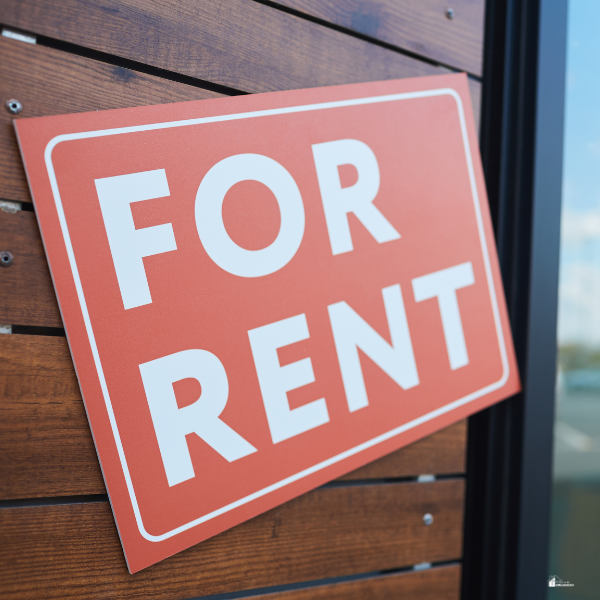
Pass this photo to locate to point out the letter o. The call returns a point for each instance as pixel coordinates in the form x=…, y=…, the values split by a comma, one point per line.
x=209, y=215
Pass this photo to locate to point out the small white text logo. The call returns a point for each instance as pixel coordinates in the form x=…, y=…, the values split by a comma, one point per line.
x=556, y=581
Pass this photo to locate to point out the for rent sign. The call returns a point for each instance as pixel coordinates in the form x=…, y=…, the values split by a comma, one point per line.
x=265, y=292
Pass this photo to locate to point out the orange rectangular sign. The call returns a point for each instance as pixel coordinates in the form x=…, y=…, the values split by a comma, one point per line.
x=262, y=293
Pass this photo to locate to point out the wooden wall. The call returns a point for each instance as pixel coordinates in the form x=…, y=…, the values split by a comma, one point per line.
x=358, y=537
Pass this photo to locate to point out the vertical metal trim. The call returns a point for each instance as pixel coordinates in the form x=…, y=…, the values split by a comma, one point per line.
x=510, y=445
x=540, y=368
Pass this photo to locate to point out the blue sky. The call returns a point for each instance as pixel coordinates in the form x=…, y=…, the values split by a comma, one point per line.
x=579, y=312
x=582, y=131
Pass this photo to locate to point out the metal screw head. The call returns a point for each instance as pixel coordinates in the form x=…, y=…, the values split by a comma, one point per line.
x=13, y=106
x=6, y=258
x=450, y=13
x=428, y=519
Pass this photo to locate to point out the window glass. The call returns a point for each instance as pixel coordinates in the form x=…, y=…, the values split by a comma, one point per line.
x=575, y=546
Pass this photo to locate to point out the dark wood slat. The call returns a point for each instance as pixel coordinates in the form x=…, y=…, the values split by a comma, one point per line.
x=442, y=453
x=73, y=550
x=440, y=583
x=238, y=43
x=49, y=82
x=26, y=292
x=60, y=83
x=46, y=445
x=420, y=26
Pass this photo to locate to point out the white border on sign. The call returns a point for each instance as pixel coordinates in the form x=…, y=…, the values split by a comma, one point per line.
x=343, y=455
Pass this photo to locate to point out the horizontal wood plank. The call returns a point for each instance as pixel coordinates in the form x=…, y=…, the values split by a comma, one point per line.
x=440, y=583
x=26, y=291
x=45, y=440
x=442, y=453
x=238, y=43
x=59, y=83
x=73, y=550
x=46, y=445
x=420, y=26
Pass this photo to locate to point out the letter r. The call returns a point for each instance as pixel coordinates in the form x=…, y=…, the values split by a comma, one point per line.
x=172, y=423
x=357, y=199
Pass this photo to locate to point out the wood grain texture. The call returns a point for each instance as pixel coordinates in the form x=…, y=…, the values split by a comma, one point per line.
x=60, y=83
x=442, y=453
x=46, y=445
x=440, y=583
x=73, y=550
x=238, y=43
x=26, y=291
x=420, y=26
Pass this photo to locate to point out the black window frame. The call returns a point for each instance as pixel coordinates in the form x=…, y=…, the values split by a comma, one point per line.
x=510, y=445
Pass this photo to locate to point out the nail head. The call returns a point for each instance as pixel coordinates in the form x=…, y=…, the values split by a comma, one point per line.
x=13, y=106
x=6, y=258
